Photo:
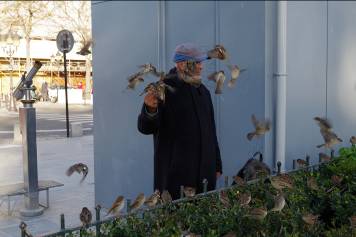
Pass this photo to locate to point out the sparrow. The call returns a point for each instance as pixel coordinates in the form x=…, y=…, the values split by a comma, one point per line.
x=279, y=182
x=302, y=163
x=330, y=139
x=166, y=197
x=149, y=68
x=224, y=199
x=218, y=78
x=235, y=73
x=324, y=157
x=312, y=184
x=158, y=89
x=85, y=49
x=323, y=123
x=79, y=168
x=140, y=199
x=189, y=192
x=153, y=199
x=353, y=140
x=336, y=180
x=238, y=180
x=279, y=203
x=244, y=199
x=261, y=127
x=134, y=81
x=218, y=52
x=257, y=213
x=118, y=205
x=85, y=216
x=310, y=219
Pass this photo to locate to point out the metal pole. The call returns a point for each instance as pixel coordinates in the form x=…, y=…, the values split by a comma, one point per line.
x=66, y=92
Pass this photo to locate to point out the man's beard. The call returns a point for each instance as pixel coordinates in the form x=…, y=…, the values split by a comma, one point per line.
x=194, y=80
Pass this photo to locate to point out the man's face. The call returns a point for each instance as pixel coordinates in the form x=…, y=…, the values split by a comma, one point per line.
x=197, y=67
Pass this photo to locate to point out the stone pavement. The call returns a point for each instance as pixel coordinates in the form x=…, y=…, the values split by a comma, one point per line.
x=54, y=156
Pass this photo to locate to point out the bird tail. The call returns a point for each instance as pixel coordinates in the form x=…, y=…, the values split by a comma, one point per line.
x=319, y=146
x=250, y=135
x=339, y=139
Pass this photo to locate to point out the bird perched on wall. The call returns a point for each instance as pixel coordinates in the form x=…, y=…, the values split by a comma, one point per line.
x=279, y=202
x=353, y=140
x=153, y=199
x=238, y=180
x=166, y=197
x=118, y=205
x=139, y=201
x=235, y=73
x=218, y=52
x=218, y=78
x=84, y=50
x=261, y=127
x=79, y=168
x=85, y=216
x=280, y=182
x=189, y=192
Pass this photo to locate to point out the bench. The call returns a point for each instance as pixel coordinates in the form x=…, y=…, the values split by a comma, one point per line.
x=19, y=189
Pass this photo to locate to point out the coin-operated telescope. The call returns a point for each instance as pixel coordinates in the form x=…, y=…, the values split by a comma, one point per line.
x=27, y=115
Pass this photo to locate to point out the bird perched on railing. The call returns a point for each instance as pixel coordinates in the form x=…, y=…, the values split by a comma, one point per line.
x=253, y=169
x=118, y=205
x=139, y=201
x=245, y=199
x=153, y=199
x=353, y=140
x=324, y=157
x=79, y=168
x=189, y=192
x=166, y=197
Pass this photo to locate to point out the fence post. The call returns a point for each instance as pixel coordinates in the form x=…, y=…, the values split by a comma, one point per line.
x=23, y=229
x=226, y=181
x=181, y=191
x=128, y=203
x=63, y=225
x=279, y=164
x=205, y=185
x=97, y=226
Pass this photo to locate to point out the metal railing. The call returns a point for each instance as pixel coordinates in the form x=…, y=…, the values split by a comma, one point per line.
x=95, y=226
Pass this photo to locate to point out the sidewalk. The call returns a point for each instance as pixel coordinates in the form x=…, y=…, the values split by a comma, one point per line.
x=54, y=156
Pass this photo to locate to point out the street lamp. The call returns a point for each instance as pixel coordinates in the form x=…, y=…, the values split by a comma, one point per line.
x=11, y=44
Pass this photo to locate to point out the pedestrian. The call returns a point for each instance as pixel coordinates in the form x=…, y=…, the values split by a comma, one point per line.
x=44, y=91
x=186, y=149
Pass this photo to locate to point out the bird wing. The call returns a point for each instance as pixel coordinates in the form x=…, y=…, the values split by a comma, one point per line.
x=71, y=170
x=254, y=121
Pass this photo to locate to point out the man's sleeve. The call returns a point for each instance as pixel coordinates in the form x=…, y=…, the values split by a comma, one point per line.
x=148, y=123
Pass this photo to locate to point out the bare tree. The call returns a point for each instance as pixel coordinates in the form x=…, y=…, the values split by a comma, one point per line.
x=77, y=16
x=24, y=16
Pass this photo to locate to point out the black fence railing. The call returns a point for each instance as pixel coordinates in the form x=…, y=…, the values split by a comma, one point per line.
x=95, y=226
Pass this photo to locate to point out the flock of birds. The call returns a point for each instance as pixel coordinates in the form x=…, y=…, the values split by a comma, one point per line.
x=159, y=87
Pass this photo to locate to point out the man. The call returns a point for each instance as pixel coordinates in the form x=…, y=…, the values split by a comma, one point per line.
x=186, y=149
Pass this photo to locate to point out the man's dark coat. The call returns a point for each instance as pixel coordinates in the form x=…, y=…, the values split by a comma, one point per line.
x=185, y=145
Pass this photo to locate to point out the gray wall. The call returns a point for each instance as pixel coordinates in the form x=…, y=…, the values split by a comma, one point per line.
x=131, y=33
x=321, y=59
x=320, y=63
